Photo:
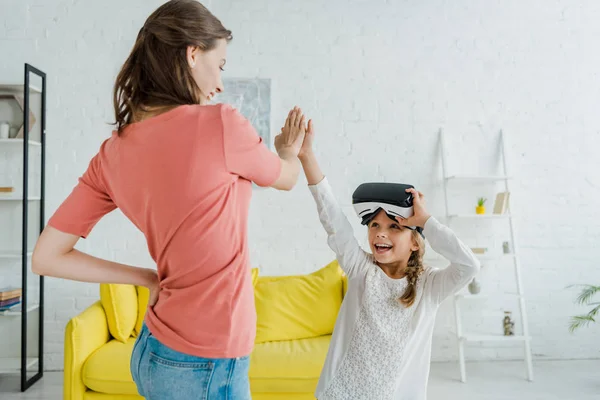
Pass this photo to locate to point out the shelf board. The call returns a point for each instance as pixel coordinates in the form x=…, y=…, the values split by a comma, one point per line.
x=493, y=338
x=431, y=260
x=484, y=296
x=478, y=178
x=13, y=255
x=17, y=311
x=12, y=197
x=9, y=365
x=480, y=216
x=17, y=89
x=19, y=142
x=485, y=257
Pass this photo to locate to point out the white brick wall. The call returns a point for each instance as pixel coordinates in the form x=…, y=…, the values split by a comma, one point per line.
x=379, y=78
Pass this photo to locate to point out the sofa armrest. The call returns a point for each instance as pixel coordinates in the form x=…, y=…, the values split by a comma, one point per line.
x=84, y=334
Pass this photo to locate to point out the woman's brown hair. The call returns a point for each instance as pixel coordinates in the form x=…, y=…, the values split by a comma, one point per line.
x=414, y=269
x=156, y=73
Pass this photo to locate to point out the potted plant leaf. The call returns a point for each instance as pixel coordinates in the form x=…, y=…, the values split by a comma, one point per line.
x=585, y=298
x=480, y=209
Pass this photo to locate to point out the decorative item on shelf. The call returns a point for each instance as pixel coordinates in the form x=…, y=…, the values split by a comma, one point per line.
x=509, y=325
x=479, y=250
x=480, y=209
x=506, y=247
x=21, y=102
x=501, y=203
x=4, y=130
x=474, y=286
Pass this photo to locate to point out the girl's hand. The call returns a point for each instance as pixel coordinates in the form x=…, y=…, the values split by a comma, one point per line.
x=289, y=141
x=308, y=140
x=420, y=215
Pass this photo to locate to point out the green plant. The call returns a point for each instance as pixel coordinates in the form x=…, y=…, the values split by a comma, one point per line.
x=481, y=201
x=584, y=298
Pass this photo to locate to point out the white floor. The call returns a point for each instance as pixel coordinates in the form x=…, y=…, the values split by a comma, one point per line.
x=564, y=380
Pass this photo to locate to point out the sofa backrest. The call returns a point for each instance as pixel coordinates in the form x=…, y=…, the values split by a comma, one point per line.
x=298, y=307
x=288, y=307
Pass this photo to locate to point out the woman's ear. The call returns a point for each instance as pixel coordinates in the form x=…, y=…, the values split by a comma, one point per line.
x=191, y=55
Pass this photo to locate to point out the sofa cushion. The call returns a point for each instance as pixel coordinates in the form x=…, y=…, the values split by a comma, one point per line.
x=107, y=369
x=275, y=367
x=281, y=395
x=298, y=307
x=120, y=303
x=89, y=395
x=290, y=366
x=143, y=295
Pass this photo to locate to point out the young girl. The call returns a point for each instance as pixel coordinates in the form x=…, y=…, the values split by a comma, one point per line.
x=381, y=344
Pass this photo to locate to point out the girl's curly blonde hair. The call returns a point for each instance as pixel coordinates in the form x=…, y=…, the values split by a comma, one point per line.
x=414, y=269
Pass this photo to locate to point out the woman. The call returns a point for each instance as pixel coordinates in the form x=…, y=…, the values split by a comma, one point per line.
x=181, y=170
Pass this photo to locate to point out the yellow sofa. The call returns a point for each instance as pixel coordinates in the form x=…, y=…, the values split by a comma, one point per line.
x=295, y=319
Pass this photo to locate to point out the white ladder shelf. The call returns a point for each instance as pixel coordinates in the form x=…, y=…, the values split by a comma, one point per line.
x=461, y=336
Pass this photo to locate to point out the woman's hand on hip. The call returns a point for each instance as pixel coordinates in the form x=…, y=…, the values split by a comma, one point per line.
x=153, y=284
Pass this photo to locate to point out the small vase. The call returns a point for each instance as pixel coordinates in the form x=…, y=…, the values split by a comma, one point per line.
x=508, y=324
x=480, y=209
x=4, y=130
x=474, y=287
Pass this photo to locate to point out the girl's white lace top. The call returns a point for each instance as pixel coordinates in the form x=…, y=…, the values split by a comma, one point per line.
x=380, y=349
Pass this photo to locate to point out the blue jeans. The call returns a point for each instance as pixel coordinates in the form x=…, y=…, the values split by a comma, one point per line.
x=162, y=373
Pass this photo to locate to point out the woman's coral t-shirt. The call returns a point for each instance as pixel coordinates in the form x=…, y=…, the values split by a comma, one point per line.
x=184, y=178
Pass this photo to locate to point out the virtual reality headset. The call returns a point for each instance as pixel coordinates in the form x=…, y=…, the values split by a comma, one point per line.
x=369, y=198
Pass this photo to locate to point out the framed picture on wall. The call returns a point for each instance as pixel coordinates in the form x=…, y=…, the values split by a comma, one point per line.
x=252, y=98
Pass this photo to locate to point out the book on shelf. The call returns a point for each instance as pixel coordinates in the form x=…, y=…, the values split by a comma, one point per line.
x=10, y=297
x=10, y=292
x=501, y=204
x=12, y=307
x=10, y=302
